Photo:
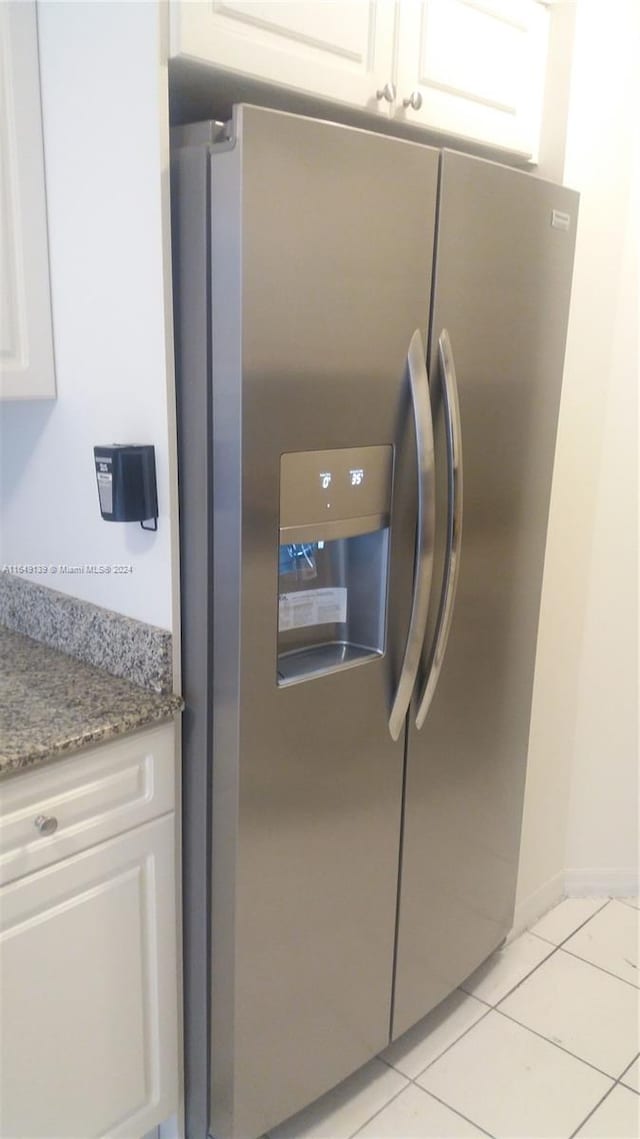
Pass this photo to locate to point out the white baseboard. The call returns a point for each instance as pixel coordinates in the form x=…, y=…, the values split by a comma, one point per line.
x=618, y=882
x=614, y=882
x=535, y=905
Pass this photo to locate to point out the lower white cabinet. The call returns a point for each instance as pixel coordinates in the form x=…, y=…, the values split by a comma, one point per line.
x=88, y=984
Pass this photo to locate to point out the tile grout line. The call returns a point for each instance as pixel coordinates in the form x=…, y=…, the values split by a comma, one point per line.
x=526, y=976
x=626, y=902
x=636, y=1057
x=424, y=1092
x=376, y=1113
x=487, y=1008
x=586, y=921
x=392, y=1066
x=620, y=1079
x=414, y=1079
x=616, y=976
x=593, y=1110
x=555, y=1044
x=616, y=1084
x=395, y=1095
x=544, y=959
x=467, y=993
x=455, y=1110
x=539, y=937
x=449, y=1047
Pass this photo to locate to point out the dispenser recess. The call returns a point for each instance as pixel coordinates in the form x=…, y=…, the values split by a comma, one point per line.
x=333, y=559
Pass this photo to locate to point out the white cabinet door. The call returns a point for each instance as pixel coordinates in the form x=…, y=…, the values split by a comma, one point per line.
x=88, y=1002
x=26, y=339
x=337, y=49
x=475, y=68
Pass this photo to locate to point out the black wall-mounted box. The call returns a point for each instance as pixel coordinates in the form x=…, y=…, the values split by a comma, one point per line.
x=126, y=476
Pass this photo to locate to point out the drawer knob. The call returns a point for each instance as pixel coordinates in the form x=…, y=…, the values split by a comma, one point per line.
x=388, y=93
x=46, y=824
x=414, y=101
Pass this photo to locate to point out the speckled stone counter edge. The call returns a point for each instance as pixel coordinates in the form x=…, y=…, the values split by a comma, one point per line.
x=133, y=720
x=124, y=647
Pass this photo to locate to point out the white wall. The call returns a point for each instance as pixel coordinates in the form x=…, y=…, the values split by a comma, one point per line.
x=583, y=746
x=602, y=842
x=104, y=150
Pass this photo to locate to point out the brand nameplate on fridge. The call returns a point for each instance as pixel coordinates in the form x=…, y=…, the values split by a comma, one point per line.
x=312, y=607
x=560, y=220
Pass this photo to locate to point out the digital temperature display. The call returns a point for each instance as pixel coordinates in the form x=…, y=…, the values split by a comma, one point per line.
x=356, y=477
x=319, y=489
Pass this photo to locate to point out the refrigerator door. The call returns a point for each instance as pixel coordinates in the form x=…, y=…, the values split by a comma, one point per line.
x=501, y=290
x=321, y=260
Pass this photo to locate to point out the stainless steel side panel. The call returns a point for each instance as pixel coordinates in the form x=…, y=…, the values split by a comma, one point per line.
x=190, y=253
x=321, y=253
x=503, y=276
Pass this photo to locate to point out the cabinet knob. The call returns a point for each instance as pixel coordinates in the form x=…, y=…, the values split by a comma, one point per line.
x=414, y=101
x=388, y=92
x=46, y=824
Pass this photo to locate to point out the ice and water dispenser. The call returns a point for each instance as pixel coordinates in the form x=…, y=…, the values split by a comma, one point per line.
x=333, y=563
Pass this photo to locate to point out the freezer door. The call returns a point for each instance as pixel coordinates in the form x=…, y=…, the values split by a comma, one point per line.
x=503, y=274
x=321, y=263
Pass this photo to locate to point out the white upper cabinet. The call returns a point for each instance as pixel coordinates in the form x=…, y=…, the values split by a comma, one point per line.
x=469, y=68
x=26, y=337
x=341, y=51
x=474, y=68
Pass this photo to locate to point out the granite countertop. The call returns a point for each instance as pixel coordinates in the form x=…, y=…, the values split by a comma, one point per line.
x=52, y=705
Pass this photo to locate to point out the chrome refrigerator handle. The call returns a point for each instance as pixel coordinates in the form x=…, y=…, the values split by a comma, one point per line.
x=419, y=383
x=454, y=522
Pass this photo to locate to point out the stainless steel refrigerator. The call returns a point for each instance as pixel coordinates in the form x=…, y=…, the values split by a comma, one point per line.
x=370, y=340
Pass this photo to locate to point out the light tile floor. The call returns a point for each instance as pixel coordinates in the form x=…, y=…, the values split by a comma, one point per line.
x=542, y=1044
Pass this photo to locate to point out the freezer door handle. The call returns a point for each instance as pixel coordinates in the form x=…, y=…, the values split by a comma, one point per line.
x=454, y=522
x=419, y=384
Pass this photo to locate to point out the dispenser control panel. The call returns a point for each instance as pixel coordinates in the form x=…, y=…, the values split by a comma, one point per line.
x=322, y=488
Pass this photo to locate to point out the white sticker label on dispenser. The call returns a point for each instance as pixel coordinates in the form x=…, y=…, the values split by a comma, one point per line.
x=105, y=490
x=312, y=607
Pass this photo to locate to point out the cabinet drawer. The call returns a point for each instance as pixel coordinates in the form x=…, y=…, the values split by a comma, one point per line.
x=84, y=799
